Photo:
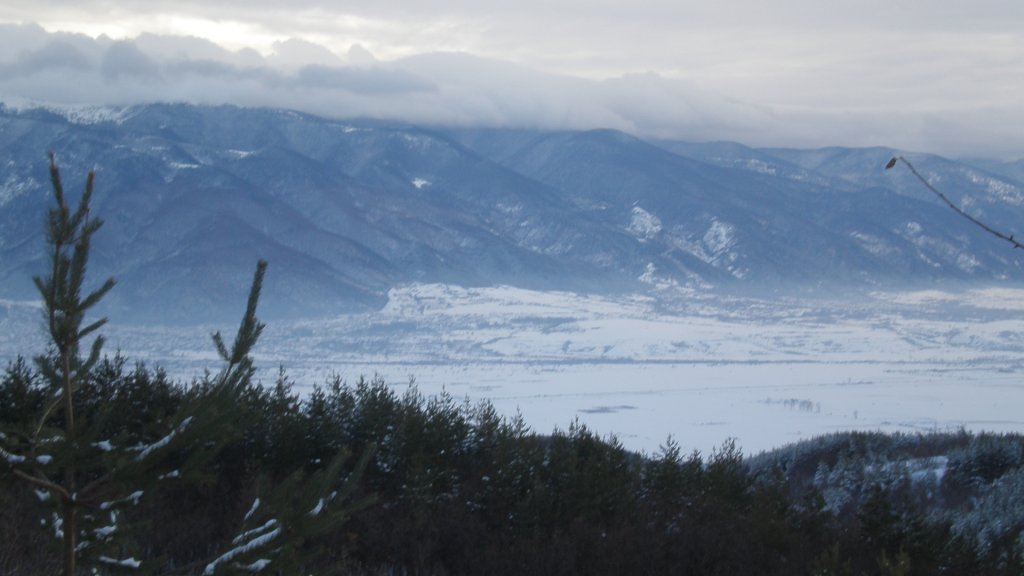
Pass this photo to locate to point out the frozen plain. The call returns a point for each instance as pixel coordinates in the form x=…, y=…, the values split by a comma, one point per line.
x=700, y=367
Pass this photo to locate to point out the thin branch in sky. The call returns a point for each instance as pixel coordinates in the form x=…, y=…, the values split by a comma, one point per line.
x=1009, y=238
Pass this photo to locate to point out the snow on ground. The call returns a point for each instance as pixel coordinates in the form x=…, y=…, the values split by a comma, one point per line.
x=698, y=366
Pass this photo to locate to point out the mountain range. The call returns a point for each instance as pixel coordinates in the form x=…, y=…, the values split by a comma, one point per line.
x=192, y=196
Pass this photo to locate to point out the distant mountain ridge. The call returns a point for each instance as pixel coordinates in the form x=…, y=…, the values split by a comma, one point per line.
x=344, y=210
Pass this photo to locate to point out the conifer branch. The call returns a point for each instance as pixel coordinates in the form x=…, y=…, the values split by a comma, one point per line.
x=43, y=483
x=249, y=331
x=69, y=235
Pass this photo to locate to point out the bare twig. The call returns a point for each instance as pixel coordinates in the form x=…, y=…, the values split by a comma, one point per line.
x=43, y=483
x=1009, y=238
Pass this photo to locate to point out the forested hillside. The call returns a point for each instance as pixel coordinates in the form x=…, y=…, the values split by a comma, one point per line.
x=456, y=489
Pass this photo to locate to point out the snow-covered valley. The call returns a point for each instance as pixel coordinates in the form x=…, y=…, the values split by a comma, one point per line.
x=698, y=366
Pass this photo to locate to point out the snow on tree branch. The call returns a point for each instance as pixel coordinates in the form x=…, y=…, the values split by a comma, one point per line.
x=125, y=563
x=149, y=449
x=243, y=548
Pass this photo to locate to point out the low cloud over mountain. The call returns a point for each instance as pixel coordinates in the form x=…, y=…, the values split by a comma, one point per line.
x=457, y=88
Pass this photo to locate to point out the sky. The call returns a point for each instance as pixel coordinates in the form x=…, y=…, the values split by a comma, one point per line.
x=943, y=76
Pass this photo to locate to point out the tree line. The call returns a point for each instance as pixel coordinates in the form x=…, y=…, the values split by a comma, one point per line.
x=448, y=487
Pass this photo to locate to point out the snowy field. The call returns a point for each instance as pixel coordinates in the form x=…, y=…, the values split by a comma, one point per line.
x=699, y=367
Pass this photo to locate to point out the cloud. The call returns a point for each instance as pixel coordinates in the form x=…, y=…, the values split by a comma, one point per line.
x=295, y=53
x=55, y=55
x=361, y=80
x=360, y=56
x=192, y=48
x=16, y=39
x=125, y=59
x=837, y=103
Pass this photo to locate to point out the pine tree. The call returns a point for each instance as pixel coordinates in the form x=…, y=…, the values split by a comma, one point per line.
x=287, y=515
x=91, y=474
x=56, y=458
x=86, y=474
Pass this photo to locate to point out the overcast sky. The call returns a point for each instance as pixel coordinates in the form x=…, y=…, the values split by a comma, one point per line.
x=945, y=76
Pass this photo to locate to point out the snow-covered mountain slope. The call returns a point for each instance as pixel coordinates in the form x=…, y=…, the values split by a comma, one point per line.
x=346, y=210
x=728, y=212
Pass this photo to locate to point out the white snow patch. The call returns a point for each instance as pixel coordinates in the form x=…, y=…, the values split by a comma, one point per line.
x=759, y=166
x=132, y=498
x=417, y=141
x=242, y=549
x=873, y=244
x=512, y=210
x=720, y=237
x=643, y=224
x=348, y=129
x=105, y=532
x=252, y=510
x=44, y=459
x=1001, y=190
x=928, y=468
x=84, y=114
x=912, y=228
x=147, y=450
x=125, y=563
x=12, y=187
x=268, y=525
x=967, y=262
x=648, y=276
x=58, y=524
x=256, y=566
x=11, y=458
